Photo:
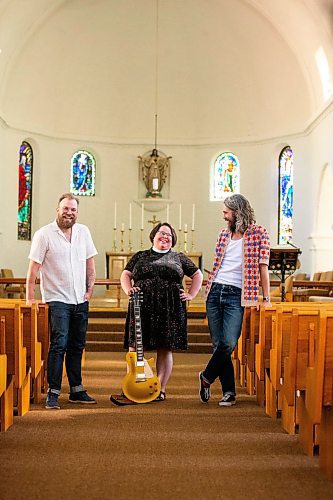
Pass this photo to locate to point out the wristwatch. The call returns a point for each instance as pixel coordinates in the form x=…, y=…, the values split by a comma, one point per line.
x=266, y=299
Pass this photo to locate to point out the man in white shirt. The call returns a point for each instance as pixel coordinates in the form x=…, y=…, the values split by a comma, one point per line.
x=63, y=253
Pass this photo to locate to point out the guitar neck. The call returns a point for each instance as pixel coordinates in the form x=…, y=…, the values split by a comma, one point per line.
x=138, y=333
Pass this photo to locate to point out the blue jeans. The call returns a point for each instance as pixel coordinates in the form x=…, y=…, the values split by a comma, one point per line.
x=68, y=324
x=225, y=318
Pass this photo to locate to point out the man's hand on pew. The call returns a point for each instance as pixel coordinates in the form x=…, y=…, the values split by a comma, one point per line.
x=263, y=304
x=32, y=301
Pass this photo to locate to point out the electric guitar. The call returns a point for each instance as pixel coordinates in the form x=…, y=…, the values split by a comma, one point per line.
x=140, y=384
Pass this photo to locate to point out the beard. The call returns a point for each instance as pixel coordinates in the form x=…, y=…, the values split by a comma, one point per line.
x=232, y=224
x=65, y=222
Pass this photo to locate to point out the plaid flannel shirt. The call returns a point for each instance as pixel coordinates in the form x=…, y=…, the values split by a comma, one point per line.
x=255, y=252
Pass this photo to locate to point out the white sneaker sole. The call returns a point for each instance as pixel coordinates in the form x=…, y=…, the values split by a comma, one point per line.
x=83, y=402
x=231, y=403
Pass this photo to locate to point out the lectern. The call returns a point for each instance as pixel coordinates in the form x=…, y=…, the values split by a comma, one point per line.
x=283, y=261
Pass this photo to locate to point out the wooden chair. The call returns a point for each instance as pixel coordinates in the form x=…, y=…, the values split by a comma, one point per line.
x=276, y=294
x=303, y=294
x=10, y=290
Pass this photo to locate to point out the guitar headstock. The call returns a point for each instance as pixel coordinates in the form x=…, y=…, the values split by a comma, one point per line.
x=137, y=298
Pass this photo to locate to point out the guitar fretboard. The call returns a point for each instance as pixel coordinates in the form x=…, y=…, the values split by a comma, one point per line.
x=138, y=333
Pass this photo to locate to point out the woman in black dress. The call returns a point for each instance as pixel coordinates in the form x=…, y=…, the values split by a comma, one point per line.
x=158, y=273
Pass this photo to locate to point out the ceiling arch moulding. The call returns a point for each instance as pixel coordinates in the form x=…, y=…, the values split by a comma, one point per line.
x=18, y=22
x=284, y=16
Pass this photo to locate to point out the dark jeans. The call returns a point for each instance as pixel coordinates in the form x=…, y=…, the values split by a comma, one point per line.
x=68, y=324
x=225, y=318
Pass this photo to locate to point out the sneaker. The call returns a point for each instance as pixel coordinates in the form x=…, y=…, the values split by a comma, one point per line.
x=52, y=401
x=227, y=400
x=204, y=391
x=81, y=397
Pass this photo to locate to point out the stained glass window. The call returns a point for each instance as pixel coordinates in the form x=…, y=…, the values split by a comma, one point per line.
x=226, y=176
x=24, y=192
x=83, y=171
x=286, y=196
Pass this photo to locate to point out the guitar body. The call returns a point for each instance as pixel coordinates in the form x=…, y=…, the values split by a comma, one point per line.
x=140, y=384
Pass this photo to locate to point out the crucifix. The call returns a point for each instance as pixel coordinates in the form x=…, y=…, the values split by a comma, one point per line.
x=154, y=221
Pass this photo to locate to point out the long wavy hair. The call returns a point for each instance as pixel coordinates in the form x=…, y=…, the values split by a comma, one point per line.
x=243, y=211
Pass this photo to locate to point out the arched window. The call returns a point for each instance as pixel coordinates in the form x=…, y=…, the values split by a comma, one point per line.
x=226, y=176
x=286, y=196
x=83, y=171
x=24, y=192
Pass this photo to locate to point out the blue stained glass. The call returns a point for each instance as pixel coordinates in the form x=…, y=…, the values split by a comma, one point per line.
x=24, y=192
x=226, y=176
x=286, y=196
x=83, y=172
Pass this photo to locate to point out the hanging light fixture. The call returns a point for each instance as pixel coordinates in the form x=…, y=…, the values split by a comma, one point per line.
x=154, y=164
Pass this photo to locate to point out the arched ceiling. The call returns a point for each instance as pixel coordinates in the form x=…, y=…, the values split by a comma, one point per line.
x=227, y=69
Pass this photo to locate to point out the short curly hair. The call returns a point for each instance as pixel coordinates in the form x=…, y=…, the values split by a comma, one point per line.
x=157, y=228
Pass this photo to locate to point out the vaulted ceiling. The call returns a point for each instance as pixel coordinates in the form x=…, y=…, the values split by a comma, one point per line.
x=213, y=70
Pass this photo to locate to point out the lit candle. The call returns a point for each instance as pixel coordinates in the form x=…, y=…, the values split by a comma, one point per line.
x=115, y=216
x=155, y=184
x=185, y=228
x=122, y=226
x=130, y=216
x=167, y=215
x=193, y=213
x=180, y=217
x=142, y=214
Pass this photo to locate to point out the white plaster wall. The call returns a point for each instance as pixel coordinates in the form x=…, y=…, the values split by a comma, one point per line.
x=118, y=177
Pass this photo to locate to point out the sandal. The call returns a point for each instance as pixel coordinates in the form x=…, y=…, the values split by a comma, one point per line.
x=161, y=396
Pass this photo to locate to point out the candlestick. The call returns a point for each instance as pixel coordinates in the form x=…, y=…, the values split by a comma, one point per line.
x=130, y=248
x=180, y=217
x=142, y=214
x=141, y=240
x=114, y=248
x=122, y=238
x=193, y=214
x=179, y=239
x=130, y=217
x=115, y=216
x=185, y=239
x=192, y=240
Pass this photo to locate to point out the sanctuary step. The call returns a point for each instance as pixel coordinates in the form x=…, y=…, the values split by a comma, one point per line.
x=106, y=332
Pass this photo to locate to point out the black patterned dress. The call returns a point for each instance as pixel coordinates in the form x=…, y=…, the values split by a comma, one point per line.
x=163, y=314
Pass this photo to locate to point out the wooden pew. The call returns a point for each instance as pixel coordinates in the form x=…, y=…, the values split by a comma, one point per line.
x=36, y=339
x=262, y=350
x=240, y=352
x=300, y=356
x=16, y=356
x=6, y=383
x=3, y=357
x=271, y=351
x=317, y=399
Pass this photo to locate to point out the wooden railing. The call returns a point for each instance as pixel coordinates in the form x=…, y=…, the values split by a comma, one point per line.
x=99, y=282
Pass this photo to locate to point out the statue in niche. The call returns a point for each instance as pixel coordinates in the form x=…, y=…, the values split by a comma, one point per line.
x=154, y=168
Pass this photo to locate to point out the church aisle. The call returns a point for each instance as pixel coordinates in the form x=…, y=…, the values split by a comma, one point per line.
x=177, y=449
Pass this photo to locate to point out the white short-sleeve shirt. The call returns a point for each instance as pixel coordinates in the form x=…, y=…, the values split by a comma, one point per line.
x=63, y=262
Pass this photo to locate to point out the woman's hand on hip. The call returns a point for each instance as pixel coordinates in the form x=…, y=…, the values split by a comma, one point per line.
x=185, y=295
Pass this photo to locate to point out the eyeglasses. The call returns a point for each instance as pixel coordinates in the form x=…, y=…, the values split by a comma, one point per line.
x=165, y=235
